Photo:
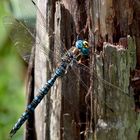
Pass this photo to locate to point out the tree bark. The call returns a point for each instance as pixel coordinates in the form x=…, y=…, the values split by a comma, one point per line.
x=107, y=113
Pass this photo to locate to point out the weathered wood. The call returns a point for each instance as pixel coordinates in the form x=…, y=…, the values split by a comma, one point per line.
x=41, y=70
x=56, y=99
x=61, y=112
x=30, y=132
x=113, y=21
x=115, y=123
x=69, y=88
x=136, y=28
x=50, y=122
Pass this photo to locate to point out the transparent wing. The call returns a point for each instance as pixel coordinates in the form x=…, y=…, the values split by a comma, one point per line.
x=19, y=34
x=24, y=39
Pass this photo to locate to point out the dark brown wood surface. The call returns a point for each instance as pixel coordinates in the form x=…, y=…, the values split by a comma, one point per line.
x=103, y=111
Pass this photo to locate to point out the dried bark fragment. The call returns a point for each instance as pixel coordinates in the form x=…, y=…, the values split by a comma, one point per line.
x=112, y=123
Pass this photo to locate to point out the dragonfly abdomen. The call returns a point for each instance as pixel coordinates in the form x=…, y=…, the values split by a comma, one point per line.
x=42, y=92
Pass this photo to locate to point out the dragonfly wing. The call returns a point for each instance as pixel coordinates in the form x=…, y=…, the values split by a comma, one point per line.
x=25, y=38
x=21, y=36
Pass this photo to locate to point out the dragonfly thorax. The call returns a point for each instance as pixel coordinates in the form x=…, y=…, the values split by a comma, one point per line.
x=77, y=53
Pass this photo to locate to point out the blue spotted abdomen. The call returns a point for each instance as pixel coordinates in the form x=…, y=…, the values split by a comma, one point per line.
x=42, y=92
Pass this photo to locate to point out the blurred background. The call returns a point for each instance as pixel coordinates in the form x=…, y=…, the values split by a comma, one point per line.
x=13, y=69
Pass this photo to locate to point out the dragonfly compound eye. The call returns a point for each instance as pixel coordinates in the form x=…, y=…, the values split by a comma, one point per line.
x=85, y=44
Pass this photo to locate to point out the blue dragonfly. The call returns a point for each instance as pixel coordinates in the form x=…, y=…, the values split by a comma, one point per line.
x=20, y=33
x=24, y=38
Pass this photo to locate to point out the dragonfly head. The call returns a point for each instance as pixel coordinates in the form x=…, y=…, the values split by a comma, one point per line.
x=83, y=51
x=83, y=46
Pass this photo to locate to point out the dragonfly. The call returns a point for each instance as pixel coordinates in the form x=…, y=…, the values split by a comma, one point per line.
x=70, y=58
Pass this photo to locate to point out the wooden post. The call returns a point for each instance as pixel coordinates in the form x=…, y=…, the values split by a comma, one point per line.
x=63, y=114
